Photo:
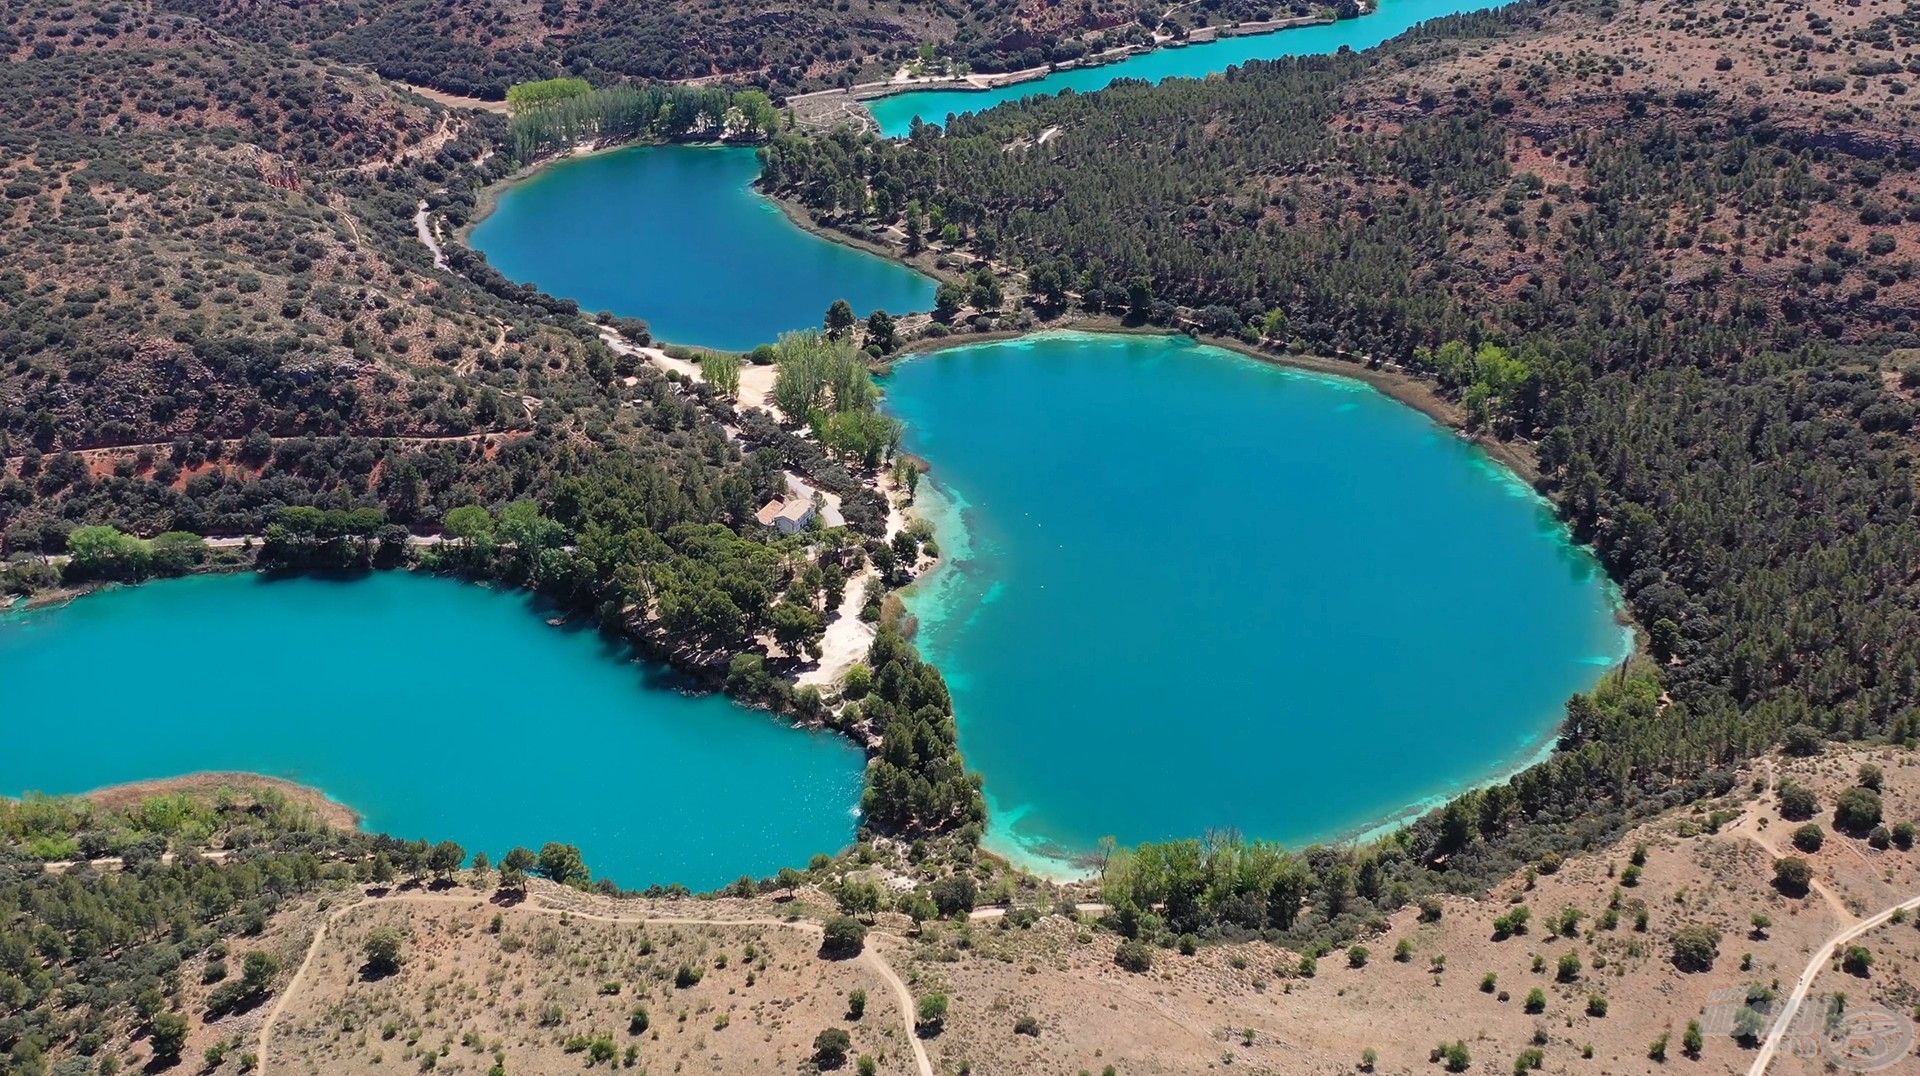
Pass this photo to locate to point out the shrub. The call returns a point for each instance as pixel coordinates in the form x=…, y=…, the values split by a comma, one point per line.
x=1695, y=947
x=1902, y=835
x=1810, y=837
x=1456, y=1056
x=1431, y=909
x=830, y=1048
x=844, y=936
x=1792, y=875
x=1530, y=1058
x=954, y=895
x=1512, y=922
x=1027, y=1025
x=1596, y=1005
x=932, y=1014
x=1569, y=967
x=856, y=1004
x=638, y=1021
x=1134, y=955
x=687, y=976
x=1797, y=801
x=1857, y=960
x=1857, y=810
x=1536, y=1000
x=1357, y=956
x=1403, y=951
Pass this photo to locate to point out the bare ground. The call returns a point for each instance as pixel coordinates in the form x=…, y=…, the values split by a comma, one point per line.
x=539, y=981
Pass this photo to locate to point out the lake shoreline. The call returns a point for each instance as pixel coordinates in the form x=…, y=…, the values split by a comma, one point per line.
x=1405, y=386
x=129, y=793
x=988, y=81
x=487, y=198
x=627, y=694
x=1065, y=864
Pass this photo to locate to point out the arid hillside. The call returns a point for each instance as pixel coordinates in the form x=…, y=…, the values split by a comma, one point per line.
x=214, y=299
x=1594, y=964
x=481, y=48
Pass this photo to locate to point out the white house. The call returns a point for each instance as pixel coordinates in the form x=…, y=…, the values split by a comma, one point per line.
x=788, y=515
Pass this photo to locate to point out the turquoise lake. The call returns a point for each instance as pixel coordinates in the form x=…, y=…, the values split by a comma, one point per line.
x=1393, y=17
x=678, y=236
x=1190, y=590
x=437, y=709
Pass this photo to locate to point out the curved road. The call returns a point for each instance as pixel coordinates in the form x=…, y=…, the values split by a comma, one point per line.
x=868, y=955
x=1819, y=962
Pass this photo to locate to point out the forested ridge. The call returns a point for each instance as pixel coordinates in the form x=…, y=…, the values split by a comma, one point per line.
x=219, y=321
x=1647, y=243
x=1685, y=298
x=483, y=47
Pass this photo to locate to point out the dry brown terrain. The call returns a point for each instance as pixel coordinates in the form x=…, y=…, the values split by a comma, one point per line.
x=532, y=980
x=1838, y=75
x=538, y=984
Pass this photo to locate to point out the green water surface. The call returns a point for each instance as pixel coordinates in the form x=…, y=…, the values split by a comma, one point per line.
x=437, y=709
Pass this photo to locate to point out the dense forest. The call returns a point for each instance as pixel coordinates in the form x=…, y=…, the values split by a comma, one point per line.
x=482, y=48
x=1681, y=306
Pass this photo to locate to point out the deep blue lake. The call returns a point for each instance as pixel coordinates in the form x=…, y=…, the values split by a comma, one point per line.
x=1191, y=590
x=437, y=709
x=678, y=236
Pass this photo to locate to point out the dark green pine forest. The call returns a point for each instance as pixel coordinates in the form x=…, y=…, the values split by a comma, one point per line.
x=1682, y=314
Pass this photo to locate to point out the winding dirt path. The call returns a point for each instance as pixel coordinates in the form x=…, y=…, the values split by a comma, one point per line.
x=1784, y=1021
x=869, y=955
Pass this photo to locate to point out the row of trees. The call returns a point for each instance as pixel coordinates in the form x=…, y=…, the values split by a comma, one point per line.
x=103, y=553
x=328, y=538
x=823, y=380
x=622, y=112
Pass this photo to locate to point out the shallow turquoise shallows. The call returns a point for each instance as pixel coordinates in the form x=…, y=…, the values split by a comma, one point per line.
x=896, y=113
x=1190, y=590
x=437, y=709
x=678, y=236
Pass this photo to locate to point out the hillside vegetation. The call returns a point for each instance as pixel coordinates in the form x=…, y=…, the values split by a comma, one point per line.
x=482, y=47
x=1666, y=252
x=222, y=323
